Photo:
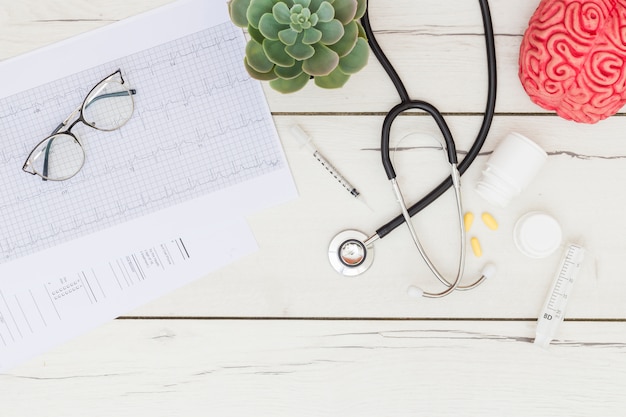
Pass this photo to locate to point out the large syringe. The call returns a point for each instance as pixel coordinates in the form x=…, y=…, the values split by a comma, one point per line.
x=553, y=310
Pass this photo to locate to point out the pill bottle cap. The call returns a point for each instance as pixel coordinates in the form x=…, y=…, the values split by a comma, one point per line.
x=537, y=234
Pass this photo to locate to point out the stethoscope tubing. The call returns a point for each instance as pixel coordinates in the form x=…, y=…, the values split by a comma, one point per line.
x=407, y=103
x=412, y=105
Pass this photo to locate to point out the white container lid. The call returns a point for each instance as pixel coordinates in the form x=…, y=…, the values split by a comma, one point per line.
x=537, y=235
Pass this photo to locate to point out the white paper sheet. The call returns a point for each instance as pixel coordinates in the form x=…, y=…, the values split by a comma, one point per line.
x=200, y=125
x=199, y=153
x=43, y=303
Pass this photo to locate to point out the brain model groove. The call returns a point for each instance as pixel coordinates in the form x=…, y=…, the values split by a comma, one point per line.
x=573, y=58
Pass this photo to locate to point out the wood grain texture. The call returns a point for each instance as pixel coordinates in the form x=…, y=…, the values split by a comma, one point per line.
x=292, y=277
x=469, y=354
x=329, y=368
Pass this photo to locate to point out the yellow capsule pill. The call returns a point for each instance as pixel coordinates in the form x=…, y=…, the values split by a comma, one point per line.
x=490, y=221
x=478, y=251
x=468, y=219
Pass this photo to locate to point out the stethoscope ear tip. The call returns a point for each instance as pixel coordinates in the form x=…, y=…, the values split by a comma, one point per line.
x=415, y=292
x=489, y=271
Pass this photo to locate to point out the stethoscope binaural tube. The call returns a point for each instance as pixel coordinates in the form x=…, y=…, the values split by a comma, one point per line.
x=456, y=169
x=404, y=96
x=412, y=105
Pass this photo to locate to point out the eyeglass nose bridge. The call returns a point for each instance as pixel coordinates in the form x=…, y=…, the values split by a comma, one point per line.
x=76, y=111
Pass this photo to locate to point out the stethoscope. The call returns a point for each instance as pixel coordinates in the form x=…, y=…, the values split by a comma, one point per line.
x=351, y=252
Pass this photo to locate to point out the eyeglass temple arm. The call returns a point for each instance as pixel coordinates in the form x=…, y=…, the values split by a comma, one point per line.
x=55, y=131
x=109, y=95
x=67, y=120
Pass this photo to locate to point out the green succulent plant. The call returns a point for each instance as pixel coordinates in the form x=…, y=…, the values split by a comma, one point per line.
x=293, y=41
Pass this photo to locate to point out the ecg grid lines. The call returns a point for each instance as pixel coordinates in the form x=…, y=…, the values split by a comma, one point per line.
x=200, y=125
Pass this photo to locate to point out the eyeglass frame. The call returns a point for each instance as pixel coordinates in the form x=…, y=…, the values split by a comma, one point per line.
x=81, y=119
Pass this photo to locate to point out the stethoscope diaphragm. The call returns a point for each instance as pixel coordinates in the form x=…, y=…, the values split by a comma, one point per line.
x=348, y=253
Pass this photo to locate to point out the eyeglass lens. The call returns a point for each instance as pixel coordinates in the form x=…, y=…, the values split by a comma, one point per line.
x=59, y=157
x=108, y=106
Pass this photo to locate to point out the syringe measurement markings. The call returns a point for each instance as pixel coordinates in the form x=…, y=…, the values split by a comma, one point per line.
x=571, y=252
x=304, y=139
x=564, y=281
x=335, y=174
x=561, y=288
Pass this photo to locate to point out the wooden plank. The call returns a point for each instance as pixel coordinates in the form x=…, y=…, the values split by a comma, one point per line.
x=330, y=368
x=438, y=47
x=291, y=277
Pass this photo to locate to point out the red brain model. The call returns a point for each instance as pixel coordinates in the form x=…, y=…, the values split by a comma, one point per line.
x=573, y=58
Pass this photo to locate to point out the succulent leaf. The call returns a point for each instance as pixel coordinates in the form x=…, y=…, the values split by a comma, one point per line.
x=288, y=36
x=335, y=79
x=315, y=5
x=347, y=41
x=290, y=86
x=305, y=15
x=269, y=27
x=237, y=10
x=300, y=50
x=325, y=12
x=281, y=13
x=331, y=31
x=262, y=76
x=345, y=10
x=311, y=36
x=256, y=57
x=360, y=9
x=255, y=34
x=303, y=3
x=362, y=33
x=256, y=10
x=289, y=72
x=355, y=60
x=323, y=61
x=275, y=52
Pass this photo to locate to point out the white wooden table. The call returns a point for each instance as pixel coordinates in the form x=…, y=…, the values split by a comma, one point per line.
x=281, y=334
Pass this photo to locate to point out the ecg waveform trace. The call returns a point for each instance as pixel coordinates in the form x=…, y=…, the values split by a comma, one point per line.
x=199, y=126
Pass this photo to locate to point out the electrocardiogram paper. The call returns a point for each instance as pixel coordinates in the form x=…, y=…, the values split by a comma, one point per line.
x=199, y=126
x=159, y=202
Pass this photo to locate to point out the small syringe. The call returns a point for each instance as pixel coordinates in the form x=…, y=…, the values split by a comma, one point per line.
x=306, y=141
x=553, y=310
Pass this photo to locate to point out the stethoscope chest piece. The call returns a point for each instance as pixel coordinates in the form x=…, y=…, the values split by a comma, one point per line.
x=348, y=253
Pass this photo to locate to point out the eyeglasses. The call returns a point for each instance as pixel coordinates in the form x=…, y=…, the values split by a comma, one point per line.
x=107, y=107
